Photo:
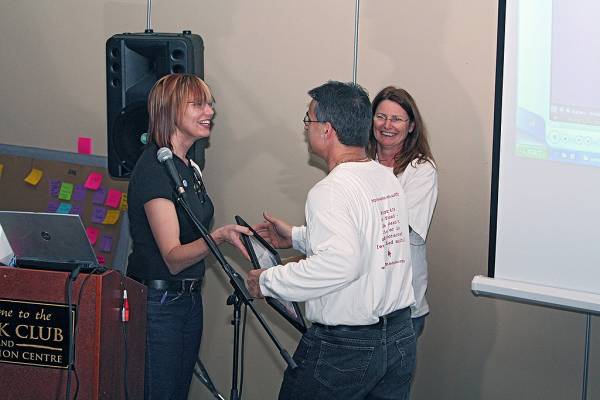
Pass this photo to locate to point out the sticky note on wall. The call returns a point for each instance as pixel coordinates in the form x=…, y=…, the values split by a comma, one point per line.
x=98, y=215
x=92, y=234
x=34, y=176
x=78, y=193
x=84, y=145
x=113, y=198
x=76, y=210
x=54, y=187
x=66, y=191
x=93, y=181
x=64, y=208
x=123, y=205
x=112, y=216
x=52, y=206
x=99, y=196
x=106, y=243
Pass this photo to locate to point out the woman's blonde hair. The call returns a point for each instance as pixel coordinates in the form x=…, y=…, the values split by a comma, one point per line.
x=167, y=101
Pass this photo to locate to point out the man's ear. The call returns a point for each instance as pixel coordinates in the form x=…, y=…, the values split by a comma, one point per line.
x=328, y=129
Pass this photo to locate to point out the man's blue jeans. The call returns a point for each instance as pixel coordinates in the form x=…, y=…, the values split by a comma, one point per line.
x=374, y=362
x=173, y=333
x=419, y=325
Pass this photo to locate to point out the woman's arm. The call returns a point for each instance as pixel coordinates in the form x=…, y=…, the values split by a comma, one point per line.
x=163, y=221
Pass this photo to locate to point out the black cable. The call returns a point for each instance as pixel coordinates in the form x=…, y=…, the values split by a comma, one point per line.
x=73, y=328
x=243, y=351
x=71, y=352
x=124, y=330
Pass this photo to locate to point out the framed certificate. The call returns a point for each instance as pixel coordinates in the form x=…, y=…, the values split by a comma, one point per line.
x=262, y=255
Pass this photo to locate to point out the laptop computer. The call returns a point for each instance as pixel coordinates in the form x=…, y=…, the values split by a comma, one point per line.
x=48, y=241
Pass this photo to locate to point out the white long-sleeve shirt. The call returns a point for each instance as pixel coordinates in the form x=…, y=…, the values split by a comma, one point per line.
x=356, y=240
x=419, y=181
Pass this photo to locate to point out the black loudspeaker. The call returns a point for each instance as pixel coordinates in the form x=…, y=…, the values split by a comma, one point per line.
x=134, y=62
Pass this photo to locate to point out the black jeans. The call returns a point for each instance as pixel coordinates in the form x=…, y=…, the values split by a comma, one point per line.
x=367, y=363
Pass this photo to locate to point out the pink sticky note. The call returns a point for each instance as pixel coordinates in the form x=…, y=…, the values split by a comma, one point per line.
x=93, y=181
x=84, y=145
x=113, y=199
x=101, y=259
x=92, y=234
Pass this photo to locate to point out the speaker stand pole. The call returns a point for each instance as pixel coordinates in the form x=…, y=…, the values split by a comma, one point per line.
x=149, y=17
x=234, y=300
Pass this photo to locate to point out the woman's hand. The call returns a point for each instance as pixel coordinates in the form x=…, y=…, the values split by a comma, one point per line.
x=275, y=231
x=231, y=234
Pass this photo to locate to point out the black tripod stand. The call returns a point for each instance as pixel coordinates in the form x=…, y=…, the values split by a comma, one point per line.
x=240, y=295
x=202, y=374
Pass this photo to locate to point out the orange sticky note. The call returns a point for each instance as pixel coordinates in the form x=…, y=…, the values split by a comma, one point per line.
x=93, y=181
x=92, y=234
x=113, y=198
x=84, y=145
x=112, y=216
x=34, y=177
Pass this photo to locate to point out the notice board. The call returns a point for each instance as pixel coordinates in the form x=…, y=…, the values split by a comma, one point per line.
x=42, y=180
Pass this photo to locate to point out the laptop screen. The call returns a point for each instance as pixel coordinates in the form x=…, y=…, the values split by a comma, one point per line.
x=46, y=237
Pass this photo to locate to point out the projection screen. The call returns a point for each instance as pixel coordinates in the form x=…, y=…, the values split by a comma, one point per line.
x=545, y=214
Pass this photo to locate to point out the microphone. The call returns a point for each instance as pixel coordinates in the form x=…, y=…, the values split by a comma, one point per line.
x=165, y=156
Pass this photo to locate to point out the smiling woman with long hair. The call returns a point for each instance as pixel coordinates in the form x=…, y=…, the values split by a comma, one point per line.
x=398, y=140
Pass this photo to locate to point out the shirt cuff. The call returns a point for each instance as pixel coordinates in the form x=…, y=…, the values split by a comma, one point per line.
x=263, y=280
x=299, y=238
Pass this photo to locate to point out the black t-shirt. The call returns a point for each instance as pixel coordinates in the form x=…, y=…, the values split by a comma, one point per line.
x=150, y=180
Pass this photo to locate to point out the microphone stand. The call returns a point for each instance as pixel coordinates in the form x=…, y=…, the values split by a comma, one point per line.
x=240, y=295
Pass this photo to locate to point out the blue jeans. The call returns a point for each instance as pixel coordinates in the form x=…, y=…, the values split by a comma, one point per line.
x=367, y=363
x=173, y=332
x=419, y=325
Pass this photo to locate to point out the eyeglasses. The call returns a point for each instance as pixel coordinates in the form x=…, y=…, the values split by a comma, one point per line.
x=199, y=104
x=394, y=119
x=307, y=120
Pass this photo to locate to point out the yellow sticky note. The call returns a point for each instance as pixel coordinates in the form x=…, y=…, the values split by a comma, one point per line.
x=2, y=169
x=34, y=177
x=112, y=216
x=123, y=205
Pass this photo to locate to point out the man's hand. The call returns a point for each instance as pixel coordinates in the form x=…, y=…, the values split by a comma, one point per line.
x=253, y=283
x=275, y=231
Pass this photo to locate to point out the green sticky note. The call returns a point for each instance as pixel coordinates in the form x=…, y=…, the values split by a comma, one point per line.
x=66, y=191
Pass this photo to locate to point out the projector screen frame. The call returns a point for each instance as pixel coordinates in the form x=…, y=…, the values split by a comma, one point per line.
x=500, y=43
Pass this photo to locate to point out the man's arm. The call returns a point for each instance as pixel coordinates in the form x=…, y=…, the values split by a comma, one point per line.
x=334, y=260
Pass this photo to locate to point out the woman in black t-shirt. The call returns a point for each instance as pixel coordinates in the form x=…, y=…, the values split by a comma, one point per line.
x=168, y=253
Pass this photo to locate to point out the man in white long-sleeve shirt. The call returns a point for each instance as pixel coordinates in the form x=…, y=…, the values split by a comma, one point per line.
x=356, y=278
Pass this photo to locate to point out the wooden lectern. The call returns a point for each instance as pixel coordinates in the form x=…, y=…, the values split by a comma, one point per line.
x=105, y=347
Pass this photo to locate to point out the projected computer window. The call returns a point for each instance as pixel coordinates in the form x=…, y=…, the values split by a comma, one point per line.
x=557, y=112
